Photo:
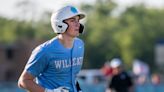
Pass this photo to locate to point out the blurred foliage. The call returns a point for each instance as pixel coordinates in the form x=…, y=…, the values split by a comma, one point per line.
x=131, y=35
x=13, y=30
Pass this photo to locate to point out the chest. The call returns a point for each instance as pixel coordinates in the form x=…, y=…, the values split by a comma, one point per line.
x=122, y=78
x=65, y=61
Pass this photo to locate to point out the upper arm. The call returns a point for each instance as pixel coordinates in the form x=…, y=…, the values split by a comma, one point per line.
x=25, y=76
x=26, y=81
x=112, y=83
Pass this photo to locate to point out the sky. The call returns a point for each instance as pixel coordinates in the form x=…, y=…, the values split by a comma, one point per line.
x=8, y=7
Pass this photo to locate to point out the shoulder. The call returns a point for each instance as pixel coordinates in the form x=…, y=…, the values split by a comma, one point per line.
x=79, y=41
x=38, y=51
x=44, y=47
x=127, y=74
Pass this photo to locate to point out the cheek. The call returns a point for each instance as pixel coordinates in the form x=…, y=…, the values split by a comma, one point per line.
x=71, y=27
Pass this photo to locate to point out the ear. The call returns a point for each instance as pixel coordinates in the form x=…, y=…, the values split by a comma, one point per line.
x=81, y=28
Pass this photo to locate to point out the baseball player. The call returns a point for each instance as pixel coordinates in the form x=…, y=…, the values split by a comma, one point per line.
x=53, y=65
x=121, y=81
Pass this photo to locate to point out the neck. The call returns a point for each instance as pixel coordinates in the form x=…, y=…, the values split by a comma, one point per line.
x=66, y=41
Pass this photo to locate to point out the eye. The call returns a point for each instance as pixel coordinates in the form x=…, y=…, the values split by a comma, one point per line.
x=75, y=20
x=72, y=20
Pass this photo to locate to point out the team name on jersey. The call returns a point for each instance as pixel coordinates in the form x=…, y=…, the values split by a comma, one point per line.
x=66, y=63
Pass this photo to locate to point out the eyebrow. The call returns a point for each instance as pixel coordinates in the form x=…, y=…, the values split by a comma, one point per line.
x=72, y=18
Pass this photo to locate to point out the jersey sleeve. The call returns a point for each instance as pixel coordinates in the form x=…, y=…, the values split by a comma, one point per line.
x=36, y=63
x=111, y=84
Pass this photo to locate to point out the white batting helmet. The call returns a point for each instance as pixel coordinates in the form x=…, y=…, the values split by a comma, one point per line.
x=57, y=18
x=115, y=63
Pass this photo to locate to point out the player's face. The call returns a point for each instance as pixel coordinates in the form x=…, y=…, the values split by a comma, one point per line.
x=73, y=26
x=116, y=70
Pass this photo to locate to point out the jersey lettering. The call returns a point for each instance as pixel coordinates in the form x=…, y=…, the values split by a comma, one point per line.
x=67, y=63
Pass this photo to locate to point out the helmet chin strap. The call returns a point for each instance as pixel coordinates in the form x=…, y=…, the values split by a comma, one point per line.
x=81, y=28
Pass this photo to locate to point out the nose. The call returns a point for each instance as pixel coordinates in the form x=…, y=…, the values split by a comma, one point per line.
x=77, y=23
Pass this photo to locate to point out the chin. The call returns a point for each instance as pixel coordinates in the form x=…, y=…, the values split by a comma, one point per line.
x=75, y=35
x=78, y=34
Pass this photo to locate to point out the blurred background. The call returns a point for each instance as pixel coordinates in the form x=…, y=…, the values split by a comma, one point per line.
x=132, y=30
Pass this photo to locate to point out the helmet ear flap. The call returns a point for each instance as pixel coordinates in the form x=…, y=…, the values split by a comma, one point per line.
x=81, y=28
x=61, y=27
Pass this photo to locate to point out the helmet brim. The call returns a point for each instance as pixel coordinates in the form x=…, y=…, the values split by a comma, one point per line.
x=81, y=15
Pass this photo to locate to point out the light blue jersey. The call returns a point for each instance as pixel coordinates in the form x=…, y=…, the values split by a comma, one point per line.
x=53, y=65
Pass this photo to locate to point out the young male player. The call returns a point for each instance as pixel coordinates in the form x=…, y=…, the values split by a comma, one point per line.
x=54, y=64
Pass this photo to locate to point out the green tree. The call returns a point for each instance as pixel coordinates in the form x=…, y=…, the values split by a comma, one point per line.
x=98, y=36
x=131, y=35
